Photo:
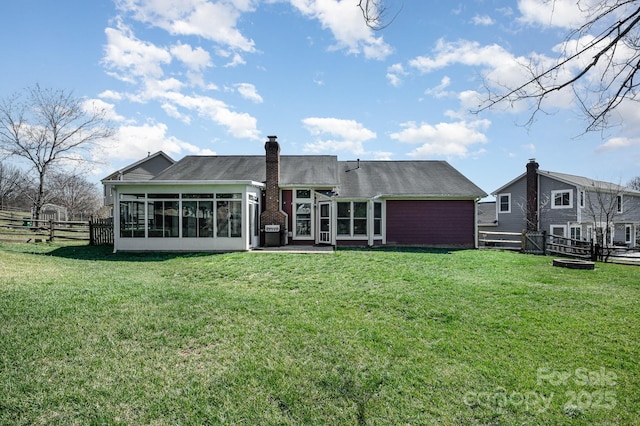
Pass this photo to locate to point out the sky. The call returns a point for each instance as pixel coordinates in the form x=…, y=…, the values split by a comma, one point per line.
x=217, y=77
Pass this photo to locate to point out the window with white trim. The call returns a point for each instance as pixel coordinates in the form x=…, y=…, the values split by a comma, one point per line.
x=302, y=208
x=504, y=203
x=628, y=234
x=575, y=232
x=558, y=230
x=619, y=203
x=582, y=199
x=562, y=199
x=352, y=219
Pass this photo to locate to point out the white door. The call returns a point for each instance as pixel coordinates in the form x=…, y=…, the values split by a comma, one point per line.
x=324, y=225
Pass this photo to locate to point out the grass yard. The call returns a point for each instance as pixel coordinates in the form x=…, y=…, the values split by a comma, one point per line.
x=359, y=337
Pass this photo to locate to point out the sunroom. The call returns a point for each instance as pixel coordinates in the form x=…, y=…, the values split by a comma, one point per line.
x=187, y=216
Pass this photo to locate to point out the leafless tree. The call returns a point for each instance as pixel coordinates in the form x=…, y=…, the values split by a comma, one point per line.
x=47, y=127
x=12, y=180
x=604, y=203
x=80, y=197
x=598, y=64
x=375, y=14
x=543, y=208
x=634, y=183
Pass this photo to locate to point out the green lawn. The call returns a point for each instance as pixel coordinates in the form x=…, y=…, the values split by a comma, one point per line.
x=359, y=337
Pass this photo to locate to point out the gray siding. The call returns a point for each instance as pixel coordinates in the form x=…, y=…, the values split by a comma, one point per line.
x=548, y=215
x=515, y=221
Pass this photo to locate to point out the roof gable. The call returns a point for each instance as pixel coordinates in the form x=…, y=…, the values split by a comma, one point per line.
x=143, y=169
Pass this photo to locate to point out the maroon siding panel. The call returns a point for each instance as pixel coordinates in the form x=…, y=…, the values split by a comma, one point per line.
x=431, y=223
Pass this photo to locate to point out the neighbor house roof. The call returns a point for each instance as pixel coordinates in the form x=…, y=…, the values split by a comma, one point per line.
x=138, y=170
x=368, y=179
x=577, y=181
x=309, y=170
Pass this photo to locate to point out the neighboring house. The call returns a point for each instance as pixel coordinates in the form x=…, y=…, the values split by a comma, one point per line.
x=568, y=206
x=219, y=203
x=145, y=169
x=53, y=212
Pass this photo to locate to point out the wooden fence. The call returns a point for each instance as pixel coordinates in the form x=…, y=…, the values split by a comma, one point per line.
x=19, y=227
x=538, y=243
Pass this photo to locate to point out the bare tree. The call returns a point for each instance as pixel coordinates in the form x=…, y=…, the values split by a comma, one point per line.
x=598, y=64
x=47, y=127
x=12, y=180
x=634, y=183
x=604, y=203
x=375, y=14
x=80, y=197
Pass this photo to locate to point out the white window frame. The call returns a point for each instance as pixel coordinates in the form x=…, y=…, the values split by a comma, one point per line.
x=628, y=233
x=561, y=191
x=619, y=203
x=295, y=203
x=575, y=232
x=499, y=204
x=564, y=230
x=582, y=196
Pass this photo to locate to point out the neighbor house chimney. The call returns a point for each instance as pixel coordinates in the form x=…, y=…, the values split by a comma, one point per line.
x=532, y=195
x=272, y=215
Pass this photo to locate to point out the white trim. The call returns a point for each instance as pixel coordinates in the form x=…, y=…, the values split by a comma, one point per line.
x=499, y=203
x=564, y=230
x=561, y=191
x=631, y=234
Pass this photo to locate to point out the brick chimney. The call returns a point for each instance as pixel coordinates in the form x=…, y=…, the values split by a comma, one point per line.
x=272, y=214
x=532, y=195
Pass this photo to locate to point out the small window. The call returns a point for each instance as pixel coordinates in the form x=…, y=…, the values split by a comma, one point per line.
x=576, y=232
x=504, y=203
x=628, y=233
x=619, y=203
x=562, y=199
x=582, y=197
x=558, y=230
x=303, y=193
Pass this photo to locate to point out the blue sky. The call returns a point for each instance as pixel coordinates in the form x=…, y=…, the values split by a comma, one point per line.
x=217, y=77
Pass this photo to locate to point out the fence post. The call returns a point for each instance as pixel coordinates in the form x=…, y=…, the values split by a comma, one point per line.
x=51, y=230
x=544, y=243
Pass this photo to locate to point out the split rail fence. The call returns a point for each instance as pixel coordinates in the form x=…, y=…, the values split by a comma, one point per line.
x=17, y=227
x=545, y=244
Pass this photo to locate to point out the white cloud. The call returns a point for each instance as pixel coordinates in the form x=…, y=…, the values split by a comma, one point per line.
x=131, y=58
x=395, y=73
x=618, y=143
x=195, y=59
x=248, y=91
x=335, y=134
x=557, y=13
x=483, y=20
x=135, y=142
x=439, y=91
x=201, y=18
x=344, y=20
x=109, y=109
x=443, y=139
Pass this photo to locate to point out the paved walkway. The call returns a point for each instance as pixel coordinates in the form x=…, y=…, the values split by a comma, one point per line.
x=295, y=249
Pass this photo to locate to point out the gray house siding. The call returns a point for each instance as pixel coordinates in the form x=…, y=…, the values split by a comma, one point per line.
x=514, y=220
x=570, y=206
x=550, y=215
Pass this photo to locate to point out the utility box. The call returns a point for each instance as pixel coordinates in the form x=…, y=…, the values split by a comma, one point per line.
x=272, y=235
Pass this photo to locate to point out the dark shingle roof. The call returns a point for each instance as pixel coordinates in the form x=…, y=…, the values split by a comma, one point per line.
x=372, y=178
x=310, y=170
x=408, y=178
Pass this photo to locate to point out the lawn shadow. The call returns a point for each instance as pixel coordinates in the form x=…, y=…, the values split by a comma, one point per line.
x=105, y=253
x=402, y=249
